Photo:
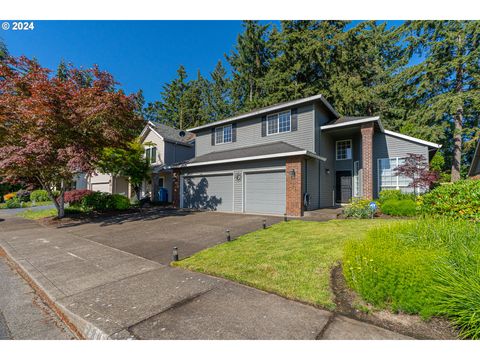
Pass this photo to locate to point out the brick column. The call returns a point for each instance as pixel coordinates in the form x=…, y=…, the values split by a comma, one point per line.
x=367, y=159
x=294, y=186
x=176, y=188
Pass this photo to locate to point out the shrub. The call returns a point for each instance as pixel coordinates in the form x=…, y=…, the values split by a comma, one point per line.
x=458, y=200
x=13, y=203
x=386, y=195
x=120, y=202
x=429, y=266
x=8, y=196
x=399, y=207
x=23, y=195
x=359, y=208
x=39, y=195
x=98, y=201
x=76, y=196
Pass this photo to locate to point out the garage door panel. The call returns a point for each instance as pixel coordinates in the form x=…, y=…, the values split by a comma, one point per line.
x=265, y=192
x=212, y=192
x=103, y=187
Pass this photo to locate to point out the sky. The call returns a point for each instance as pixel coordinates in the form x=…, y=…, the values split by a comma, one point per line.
x=139, y=54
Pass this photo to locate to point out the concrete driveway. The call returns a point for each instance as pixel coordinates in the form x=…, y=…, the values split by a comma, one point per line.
x=153, y=234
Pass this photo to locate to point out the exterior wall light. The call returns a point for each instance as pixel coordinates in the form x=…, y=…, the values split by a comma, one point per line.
x=327, y=171
x=292, y=173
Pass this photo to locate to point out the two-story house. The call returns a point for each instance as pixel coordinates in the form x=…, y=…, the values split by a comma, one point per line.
x=290, y=157
x=474, y=170
x=164, y=146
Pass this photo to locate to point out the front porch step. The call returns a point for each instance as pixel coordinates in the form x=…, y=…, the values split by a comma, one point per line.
x=324, y=214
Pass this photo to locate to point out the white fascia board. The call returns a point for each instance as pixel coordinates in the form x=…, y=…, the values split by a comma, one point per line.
x=267, y=110
x=411, y=138
x=355, y=122
x=250, y=158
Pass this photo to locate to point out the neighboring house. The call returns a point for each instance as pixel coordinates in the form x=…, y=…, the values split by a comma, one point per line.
x=290, y=157
x=164, y=146
x=474, y=171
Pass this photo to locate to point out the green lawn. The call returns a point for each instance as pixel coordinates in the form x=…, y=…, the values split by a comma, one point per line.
x=38, y=214
x=292, y=259
x=28, y=204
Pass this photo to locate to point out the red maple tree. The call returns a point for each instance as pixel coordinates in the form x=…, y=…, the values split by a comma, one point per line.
x=53, y=127
x=415, y=167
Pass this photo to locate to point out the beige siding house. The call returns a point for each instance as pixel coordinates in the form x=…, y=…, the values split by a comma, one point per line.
x=164, y=146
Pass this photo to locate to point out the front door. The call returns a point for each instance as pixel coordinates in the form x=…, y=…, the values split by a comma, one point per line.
x=343, y=186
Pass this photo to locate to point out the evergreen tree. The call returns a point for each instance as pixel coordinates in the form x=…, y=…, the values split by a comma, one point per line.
x=303, y=54
x=194, y=102
x=250, y=61
x=443, y=88
x=170, y=108
x=366, y=57
x=219, y=96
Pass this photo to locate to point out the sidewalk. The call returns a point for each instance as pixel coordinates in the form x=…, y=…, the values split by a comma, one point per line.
x=106, y=293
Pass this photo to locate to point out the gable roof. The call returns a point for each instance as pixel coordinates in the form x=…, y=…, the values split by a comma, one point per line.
x=277, y=149
x=168, y=133
x=475, y=160
x=356, y=120
x=268, y=109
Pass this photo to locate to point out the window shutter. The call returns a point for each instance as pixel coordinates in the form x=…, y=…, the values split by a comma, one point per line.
x=264, y=126
x=234, y=132
x=294, y=119
x=213, y=136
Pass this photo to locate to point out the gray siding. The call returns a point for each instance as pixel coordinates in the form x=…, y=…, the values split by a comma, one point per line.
x=238, y=167
x=312, y=169
x=249, y=133
x=177, y=152
x=322, y=116
x=387, y=146
x=327, y=150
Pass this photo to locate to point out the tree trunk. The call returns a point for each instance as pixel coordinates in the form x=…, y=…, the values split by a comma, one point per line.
x=457, y=148
x=457, y=134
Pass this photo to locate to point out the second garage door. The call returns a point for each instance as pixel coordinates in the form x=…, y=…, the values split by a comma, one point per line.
x=210, y=192
x=265, y=192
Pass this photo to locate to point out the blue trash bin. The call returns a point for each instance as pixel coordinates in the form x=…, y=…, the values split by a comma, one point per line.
x=163, y=195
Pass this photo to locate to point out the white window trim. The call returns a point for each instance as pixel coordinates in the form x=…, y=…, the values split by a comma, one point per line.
x=278, y=122
x=156, y=153
x=356, y=179
x=379, y=175
x=223, y=134
x=336, y=149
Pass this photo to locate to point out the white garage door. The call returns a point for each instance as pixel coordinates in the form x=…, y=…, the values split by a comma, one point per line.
x=209, y=192
x=265, y=192
x=103, y=187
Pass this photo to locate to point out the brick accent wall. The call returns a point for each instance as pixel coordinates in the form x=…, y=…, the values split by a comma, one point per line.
x=176, y=188
x=475, y=177
x=367, y=159
x=294, y=203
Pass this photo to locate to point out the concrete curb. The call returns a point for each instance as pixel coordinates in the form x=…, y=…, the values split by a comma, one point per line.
x=81, y=328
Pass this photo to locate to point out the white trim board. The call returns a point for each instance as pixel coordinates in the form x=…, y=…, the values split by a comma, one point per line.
x=250, y=158
x=269, y=109
x=411, y=138
x=354, y=122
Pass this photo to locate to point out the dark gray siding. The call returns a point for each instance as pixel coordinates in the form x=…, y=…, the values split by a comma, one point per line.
x=312, y=169
x=235, y=168
x=249, y=132
x=388, y=146
x=322, y=116
x=326, y=183
x=176, y=152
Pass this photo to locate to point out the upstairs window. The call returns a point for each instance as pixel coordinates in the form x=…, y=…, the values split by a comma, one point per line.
x=151, y=155
x=223, y=134
x=279, y=123
x=344, y=150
